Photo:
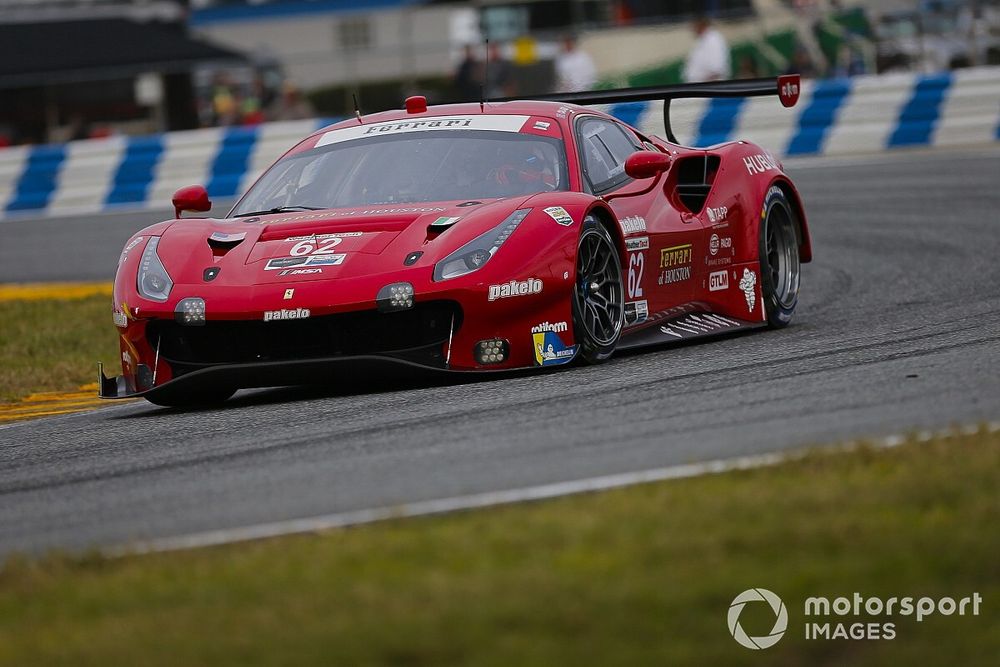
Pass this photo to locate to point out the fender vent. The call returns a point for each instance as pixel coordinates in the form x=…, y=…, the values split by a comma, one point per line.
x=695, y=176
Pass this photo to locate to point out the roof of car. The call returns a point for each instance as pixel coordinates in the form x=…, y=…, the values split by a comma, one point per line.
x=518, y=107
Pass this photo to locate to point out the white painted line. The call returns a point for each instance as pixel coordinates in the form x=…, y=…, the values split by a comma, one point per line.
x=493, y=498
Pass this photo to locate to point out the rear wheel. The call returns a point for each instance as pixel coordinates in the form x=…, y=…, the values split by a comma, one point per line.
x=779, y=258
x=599, y=297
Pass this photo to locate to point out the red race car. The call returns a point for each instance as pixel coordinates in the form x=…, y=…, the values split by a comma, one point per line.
x=470, y=237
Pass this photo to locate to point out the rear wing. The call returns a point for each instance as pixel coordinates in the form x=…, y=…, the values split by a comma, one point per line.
x=786, y=87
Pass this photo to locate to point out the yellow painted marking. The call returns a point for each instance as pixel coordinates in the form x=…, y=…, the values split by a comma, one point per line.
x=48, y=403
x=42, y=291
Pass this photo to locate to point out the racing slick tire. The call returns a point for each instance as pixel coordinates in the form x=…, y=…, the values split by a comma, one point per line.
x=599, y=294
x=203, y=397
x=780, y=269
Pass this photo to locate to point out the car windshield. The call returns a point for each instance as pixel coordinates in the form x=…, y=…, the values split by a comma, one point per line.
x=412, y=167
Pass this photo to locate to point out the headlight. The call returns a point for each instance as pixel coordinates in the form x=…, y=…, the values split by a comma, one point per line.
x=474, y=254
x=153, y=281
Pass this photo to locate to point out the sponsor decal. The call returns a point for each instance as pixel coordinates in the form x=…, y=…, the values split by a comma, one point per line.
x=748, y=284
x=638, y=243
x=717, y=214
x=303, y=261
x=346, y=214
x=759, y=163
x=489, y=122
x=556, y=327
x=675, y=255
x=670, y=276
x=131, y=244
x=323, y=237
x=550, y=349
x=788, y=89
x=716, y=242
x=299, y=272
x=515, y=288
x=559, y=214
x=283, y=314
x=541, y=125
x=693, y=324
x=675, y=263
x=289, y=293
x=633, y=224
x=561, y=112
x=636, y=312
x=718, y=280
x=120, y=317
x=719, y=261
x=445, y=221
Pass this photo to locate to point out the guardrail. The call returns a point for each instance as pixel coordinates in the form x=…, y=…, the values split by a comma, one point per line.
x=833, y=117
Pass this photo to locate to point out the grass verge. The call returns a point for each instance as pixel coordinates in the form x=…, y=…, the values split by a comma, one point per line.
x=54, y=345
x=642, y=575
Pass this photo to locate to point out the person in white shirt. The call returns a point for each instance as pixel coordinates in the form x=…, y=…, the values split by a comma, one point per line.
x=575, y=70
x=709, y=58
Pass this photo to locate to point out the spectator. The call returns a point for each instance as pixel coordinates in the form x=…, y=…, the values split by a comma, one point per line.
x=499, y=73
x=849, y=62
x=291, y=105
x=801, y=64
x=575, y=69
x=469, y=76
x=709, y=57
x=224, y=103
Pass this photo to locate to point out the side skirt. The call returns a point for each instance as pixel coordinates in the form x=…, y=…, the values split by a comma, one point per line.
x=685, y=327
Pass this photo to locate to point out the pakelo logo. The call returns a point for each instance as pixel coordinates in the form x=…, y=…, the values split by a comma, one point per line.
x=557, y=327
x=718, y=280
x=633, y=224
x=283, y=314
x=780, y=618
x=515, y=288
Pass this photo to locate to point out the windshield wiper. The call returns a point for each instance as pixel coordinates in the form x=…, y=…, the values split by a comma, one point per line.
x=280, y=209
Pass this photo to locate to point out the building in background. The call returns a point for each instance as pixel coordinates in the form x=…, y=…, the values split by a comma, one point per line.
x=72, y=70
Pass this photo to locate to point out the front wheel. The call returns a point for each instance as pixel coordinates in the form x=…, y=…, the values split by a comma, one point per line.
x=599, y=297
x=779, y=258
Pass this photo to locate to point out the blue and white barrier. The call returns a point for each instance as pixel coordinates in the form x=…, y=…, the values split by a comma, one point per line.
x=833, y=117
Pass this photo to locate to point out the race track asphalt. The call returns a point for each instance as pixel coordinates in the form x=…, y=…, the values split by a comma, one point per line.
x=898, y=328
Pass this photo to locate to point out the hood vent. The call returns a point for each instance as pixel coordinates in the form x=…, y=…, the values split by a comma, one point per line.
x=221, y=243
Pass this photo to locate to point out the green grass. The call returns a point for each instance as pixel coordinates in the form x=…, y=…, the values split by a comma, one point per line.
x=637, y=576
x=54, y=345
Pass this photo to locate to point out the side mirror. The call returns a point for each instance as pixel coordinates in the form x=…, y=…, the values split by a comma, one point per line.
x=646, y=164
x=191, y=198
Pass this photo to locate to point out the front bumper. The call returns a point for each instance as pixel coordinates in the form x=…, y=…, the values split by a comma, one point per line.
x=273, y=374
